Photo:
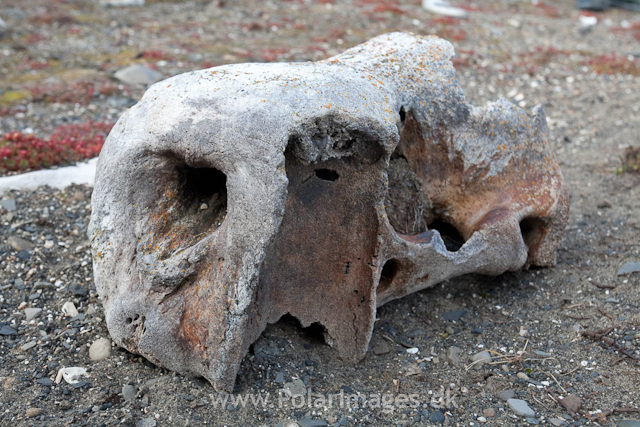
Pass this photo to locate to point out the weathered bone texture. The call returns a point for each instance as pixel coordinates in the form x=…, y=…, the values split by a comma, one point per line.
x=231, y=196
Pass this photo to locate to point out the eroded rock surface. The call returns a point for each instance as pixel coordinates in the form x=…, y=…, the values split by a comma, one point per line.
x=231, y=196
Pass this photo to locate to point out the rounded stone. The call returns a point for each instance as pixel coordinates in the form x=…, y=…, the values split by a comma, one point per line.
x=520, y=407
x=100, y=349
x=33, y=412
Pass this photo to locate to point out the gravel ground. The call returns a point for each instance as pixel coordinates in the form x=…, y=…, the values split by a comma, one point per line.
x=539, y=327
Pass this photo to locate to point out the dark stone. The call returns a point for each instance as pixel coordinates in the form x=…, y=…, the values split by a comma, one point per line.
x=437, y=417
x=454, y=315
x=24, y=255
x=45, y=382
x=78, y=290
x=81, y=384
x=346, y=389
x=8, y=330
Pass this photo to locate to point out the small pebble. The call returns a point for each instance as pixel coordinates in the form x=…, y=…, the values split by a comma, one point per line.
x=33, y=412
x=100, y=349
x=453, y=356
x=146, y=422
x=481, y=358
x=437, y=417
x=20, y=244
x=520, y=407
x=454, y=315
x=28, y=346
x=31, y=313
x=381, y=348
x=8, y=204
x=69, y=309
x=128, y=392
x=295, y=387
x=572, y=402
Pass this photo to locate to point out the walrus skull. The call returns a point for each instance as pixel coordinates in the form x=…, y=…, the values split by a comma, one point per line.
x=230, y=196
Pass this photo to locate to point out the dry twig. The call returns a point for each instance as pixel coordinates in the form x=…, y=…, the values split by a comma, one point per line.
x=601, y=335
x=601, y=286
x=605, y=313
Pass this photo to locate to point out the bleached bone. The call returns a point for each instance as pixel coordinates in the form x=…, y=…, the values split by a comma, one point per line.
x=231, y=196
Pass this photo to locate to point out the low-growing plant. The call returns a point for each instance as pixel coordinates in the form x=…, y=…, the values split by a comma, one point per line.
x=81, y=92
x=533, y=60
x=67, y=144
x=630, y=161
x=614, y=64
x=633, y=29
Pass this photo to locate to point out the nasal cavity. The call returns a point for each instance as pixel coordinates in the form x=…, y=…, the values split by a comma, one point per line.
x=531, y=229
x=327, y=174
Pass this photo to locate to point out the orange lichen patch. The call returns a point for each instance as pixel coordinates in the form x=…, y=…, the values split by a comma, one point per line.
x=191, y=207
x=193, y=330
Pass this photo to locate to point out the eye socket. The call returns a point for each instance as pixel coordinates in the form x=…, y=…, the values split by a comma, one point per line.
x=327, y=174
x=203, y=185
x=191, y=203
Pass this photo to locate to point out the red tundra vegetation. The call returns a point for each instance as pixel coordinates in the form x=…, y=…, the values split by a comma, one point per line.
x=68, y=144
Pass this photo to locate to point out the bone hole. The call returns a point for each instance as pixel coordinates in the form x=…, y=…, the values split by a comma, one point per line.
x=130, y=320
x=314, y=333
x=403, y=114
x=204, y=186
x=327, y=174
x=531, y=230
x=389, y=271
x=408, y=207
x=451, y=237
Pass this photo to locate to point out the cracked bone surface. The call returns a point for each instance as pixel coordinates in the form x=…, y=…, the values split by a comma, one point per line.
x=229, y=197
